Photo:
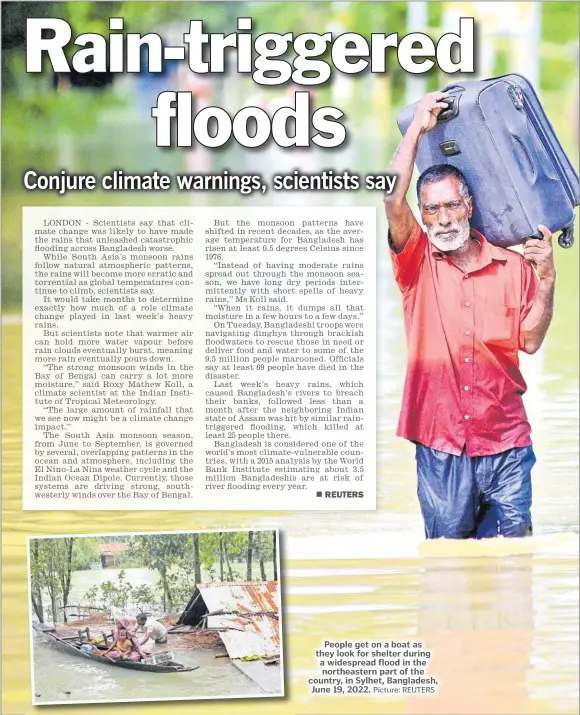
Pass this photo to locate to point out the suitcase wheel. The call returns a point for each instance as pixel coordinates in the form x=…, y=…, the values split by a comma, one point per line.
x=566, y=238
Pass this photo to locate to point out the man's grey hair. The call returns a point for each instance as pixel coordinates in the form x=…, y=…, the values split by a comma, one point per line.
x=438, y=172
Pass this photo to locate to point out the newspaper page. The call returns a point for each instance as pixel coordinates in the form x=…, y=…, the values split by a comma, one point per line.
x=290, y=357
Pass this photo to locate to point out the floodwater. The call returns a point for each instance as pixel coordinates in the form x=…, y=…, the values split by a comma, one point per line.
x=63, y=678
x=500, y=618
x=82, y=581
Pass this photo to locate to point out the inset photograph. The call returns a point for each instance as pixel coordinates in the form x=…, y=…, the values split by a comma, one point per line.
x=155, y=616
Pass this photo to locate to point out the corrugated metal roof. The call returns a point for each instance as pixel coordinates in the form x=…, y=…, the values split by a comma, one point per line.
x=113, y=547
x=243, y=596
x=256, y=636
x=249, y=626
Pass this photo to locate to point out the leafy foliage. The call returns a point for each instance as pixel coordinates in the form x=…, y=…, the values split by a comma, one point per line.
x=144, y=598
x=51, y=566
x=85, y=552
x=180, y=561
x=560, y=22
x=120, y=595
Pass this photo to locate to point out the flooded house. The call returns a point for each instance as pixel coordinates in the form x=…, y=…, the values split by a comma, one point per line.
x=111, y=553
x=247, y=617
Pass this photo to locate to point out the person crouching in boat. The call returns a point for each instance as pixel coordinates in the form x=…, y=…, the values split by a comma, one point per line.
x=150, y=632
x=125, y=644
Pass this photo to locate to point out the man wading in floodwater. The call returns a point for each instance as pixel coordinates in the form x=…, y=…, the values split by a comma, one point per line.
x=469, y=307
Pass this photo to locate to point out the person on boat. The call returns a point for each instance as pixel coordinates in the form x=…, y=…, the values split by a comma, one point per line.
x=125, y=644
x=153, y=631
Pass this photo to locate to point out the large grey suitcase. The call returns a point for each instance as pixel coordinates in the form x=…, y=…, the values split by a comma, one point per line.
x=496, y=132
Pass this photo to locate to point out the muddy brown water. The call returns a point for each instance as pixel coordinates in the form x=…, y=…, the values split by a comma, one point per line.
x=500, y=618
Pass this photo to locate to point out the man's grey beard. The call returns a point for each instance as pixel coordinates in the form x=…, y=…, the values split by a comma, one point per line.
x=451, y=242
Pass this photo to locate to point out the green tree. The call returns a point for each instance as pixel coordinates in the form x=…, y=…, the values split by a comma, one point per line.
x=249, y=555
x=235, y=548
x=144, y=597
x=182, y=585
x=51, y=572
x=211, y=552
x=161, y=552
x=85, y=552
x=51, y=580
x=559, y=46
x=92, y=596
x=65, y=568
x=110, y=594
x=196, y=559
x=275, y=555
x=260, y=550
x=37, y=578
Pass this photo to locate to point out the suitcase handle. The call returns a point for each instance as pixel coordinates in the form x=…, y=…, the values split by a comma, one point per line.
x=453, y=86
x=452, y=109
x=452, y=103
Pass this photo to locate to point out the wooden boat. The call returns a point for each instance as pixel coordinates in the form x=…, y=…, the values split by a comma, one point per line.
x=73, y=645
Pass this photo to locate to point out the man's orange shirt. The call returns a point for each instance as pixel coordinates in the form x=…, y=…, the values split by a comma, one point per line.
x=464, y=387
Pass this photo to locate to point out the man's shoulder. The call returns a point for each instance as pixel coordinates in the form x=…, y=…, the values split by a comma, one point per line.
x=513, y=256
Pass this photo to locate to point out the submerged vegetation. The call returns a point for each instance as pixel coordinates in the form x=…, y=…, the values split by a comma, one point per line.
x=180, y=562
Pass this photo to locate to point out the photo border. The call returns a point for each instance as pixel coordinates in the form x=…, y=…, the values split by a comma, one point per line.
x=34, y=703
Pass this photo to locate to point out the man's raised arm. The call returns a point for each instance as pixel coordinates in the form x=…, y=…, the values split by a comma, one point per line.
x=399, y=214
